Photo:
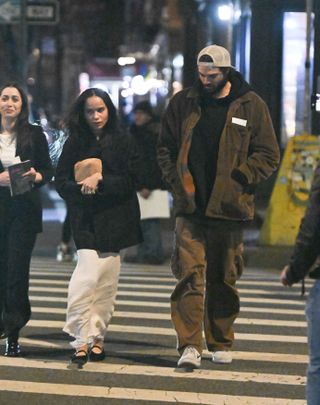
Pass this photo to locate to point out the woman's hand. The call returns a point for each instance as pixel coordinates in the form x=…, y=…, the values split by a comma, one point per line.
x=90, y=184
x=33, y=175
x=4, y=179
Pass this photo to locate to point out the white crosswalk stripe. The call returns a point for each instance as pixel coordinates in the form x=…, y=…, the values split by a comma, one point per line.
x=152, y=315
x=138, y=394
x=270, y=353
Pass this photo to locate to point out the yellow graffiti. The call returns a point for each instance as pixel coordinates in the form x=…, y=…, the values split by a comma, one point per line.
x=291, y=191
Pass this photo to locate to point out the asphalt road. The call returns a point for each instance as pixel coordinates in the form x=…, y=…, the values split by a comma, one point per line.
x=270, y=352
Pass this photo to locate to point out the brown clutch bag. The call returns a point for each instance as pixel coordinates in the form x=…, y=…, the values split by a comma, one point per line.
x=86, y=168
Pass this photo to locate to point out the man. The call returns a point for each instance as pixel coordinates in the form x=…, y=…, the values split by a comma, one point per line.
x=305, y=254
x=216, y=144
x=145, y=130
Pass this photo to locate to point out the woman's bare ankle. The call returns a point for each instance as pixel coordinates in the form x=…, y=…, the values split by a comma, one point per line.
x=82, y=349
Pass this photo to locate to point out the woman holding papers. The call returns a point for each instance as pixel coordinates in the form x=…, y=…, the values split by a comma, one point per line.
x=96, y=175
x=24, y=154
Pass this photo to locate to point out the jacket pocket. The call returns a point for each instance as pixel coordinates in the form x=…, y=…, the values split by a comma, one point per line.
x=236, y=203
x=238, y=138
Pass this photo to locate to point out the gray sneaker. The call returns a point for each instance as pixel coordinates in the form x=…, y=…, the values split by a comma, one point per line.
x=190, y=358
x=222, y=357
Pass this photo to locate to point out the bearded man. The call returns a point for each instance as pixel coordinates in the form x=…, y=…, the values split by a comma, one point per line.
x=216, y=145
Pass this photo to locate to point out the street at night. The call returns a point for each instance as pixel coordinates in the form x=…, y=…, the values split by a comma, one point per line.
x=173, y=145
x=270, y=353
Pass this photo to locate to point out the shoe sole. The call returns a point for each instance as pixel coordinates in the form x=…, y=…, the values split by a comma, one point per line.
x=12, y=355
x=188, y=365
x=222, y=361
x=97, y=357
x=75, y=366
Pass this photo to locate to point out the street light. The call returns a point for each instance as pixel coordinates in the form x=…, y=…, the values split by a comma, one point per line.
x=126, y=60
x=225, y=12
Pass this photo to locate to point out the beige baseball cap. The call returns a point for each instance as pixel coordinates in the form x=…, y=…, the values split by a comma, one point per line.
x=220, y=57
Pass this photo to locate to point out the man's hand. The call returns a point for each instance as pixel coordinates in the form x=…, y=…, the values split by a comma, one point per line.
x=283, y=276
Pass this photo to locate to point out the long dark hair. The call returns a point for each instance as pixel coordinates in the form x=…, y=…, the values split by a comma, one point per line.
x=76, y=123
x=22, y=126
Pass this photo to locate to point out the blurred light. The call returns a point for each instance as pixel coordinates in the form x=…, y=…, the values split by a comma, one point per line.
x=126, y=60
x=126, y=93
x=290, y=22
x=139, y=86
x=125, y=84
x=225, y=13
x=178, y=61
x=127, y=78
x=163, y=91
x=84, y=81
x=36, y=52
x=43, y=122
x=166, y=71
x=155, y=83
x=103, y=87
x=237, y=15
x=31, y=81
x=153, y=98
x=154, y=50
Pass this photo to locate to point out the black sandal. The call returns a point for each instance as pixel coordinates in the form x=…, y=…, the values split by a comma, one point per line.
x=12, y=348
x=97, y=356
x=79, y=360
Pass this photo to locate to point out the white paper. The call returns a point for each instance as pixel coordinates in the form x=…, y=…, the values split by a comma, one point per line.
x=155, y=206
x=239, y=121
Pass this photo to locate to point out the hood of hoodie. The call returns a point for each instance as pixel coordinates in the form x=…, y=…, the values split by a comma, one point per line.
x=239, y=86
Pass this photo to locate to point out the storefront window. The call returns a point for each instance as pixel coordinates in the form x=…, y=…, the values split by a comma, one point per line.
x=293, y=74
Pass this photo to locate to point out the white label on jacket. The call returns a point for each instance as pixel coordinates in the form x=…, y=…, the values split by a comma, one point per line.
x=239, y=121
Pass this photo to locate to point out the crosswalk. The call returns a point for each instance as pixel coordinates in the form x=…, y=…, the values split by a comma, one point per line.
x=270, y=352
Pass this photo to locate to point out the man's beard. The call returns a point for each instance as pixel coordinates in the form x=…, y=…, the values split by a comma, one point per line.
x=215, y=89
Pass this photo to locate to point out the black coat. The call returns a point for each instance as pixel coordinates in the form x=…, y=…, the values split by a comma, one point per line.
x=27, y=206
x=307, y=245
x=146, y=138
x=110, y=219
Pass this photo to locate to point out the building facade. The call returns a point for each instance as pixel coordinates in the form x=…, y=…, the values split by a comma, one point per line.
x=267, y=39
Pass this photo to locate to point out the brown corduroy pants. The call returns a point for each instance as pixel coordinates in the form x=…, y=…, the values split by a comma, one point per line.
x=207, y=261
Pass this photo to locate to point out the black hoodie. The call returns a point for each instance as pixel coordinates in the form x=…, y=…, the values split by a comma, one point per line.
x=203, y=154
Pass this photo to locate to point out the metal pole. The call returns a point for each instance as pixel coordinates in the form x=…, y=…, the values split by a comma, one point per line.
x=307, y=93
x=23, y=42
